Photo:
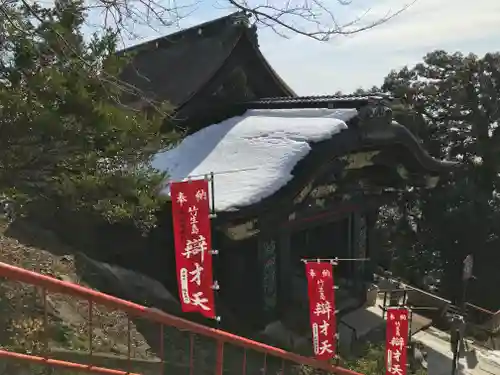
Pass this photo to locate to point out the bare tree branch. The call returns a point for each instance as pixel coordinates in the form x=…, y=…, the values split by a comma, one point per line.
x=122, y=86
x=311, y=18
x=317, y=19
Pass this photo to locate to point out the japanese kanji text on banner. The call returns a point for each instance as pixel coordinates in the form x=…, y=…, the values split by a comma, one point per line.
x=322, y=308
x=396, y=341
x=192, y=236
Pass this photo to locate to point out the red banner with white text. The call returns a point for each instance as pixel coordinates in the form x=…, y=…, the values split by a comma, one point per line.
x=322, y=308
x=193, y=245
x=396, y=341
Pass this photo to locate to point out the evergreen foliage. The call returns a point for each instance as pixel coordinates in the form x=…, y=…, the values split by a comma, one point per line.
x=451, y=102
x=65, y=139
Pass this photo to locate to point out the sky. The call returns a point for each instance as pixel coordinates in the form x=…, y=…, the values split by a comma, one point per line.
x=362, y=60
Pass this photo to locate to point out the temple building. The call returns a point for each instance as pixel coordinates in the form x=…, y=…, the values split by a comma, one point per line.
x=294, y=177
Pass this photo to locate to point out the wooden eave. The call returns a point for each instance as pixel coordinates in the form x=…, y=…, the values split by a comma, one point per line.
x=372, y=129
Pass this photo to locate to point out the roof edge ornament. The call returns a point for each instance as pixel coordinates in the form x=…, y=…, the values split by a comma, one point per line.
x=241, y=18
x=375, y=110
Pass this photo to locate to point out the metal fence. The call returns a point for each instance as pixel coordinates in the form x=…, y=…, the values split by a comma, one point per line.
x=180, y=346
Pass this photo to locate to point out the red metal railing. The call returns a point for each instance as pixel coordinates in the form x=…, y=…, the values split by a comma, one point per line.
x=133, y=310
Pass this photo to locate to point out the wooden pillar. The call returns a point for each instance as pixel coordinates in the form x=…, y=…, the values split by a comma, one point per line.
x=285, y=271
x=268, y=262
x=370, y=266
x=359, y=249
x=362, y=247
x=350, y=246
x=354, y=248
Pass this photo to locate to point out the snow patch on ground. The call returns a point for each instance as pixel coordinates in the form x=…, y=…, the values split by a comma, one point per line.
x=475, y=360
x=252, y=156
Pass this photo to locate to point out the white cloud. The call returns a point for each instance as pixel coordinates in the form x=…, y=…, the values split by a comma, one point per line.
x=430, y=21
x=364, y=59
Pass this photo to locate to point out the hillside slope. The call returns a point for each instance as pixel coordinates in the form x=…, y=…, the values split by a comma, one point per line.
x=21, y=305
x=22, y=317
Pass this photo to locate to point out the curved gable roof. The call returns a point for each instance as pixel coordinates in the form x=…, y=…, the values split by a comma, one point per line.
x=253, y=155
x=264, y=157
x=177, y=66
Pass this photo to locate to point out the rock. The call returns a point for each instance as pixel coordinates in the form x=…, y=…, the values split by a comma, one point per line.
x=276, y=333
x=67, y=258
x=127, y=284
x=66, y=278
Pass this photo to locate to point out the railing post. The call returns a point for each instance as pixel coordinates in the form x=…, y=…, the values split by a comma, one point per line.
x=219, y=360
x=191, y=354
x=46, y=347
x=162, y=349
x=90, y=325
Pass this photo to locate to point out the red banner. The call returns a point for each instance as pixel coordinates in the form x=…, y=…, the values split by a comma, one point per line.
x=322, y=308
x=396, y=341
x=193, y=245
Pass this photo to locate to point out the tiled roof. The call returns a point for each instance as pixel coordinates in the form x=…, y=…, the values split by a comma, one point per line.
x=327, y=101
x=174, y=67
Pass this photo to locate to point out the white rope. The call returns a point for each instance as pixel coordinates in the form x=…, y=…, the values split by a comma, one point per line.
x=207, y=175
x=334, y=260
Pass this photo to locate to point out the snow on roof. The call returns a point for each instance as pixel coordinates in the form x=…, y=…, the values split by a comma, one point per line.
x=252, y=156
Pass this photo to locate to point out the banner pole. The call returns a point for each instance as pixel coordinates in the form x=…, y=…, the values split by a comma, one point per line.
x=410, y=311
x=333, y=262
x=305, y=260
x=213, y=214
